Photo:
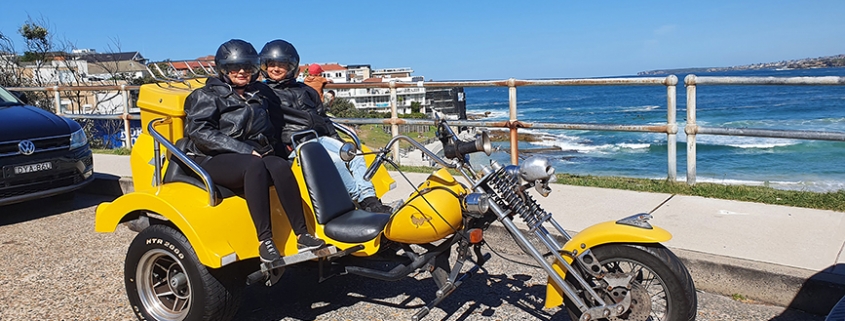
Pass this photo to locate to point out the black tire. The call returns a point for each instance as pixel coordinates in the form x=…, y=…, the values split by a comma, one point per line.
x=674, y=298
x=165, y=280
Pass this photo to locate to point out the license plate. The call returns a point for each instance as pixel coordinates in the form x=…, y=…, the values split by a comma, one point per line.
x=31, y=168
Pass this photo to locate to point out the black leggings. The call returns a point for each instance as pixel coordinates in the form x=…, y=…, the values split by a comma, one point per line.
x=253, y=174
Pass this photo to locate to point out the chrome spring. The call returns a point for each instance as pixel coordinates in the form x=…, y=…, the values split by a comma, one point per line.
x=506, y=183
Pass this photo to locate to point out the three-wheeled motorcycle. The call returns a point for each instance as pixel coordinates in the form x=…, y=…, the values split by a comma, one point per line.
x=197, y=250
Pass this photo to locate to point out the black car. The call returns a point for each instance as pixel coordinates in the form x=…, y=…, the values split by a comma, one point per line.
x=41, y=154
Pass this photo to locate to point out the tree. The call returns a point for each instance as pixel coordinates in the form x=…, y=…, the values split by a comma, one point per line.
x=343, y=108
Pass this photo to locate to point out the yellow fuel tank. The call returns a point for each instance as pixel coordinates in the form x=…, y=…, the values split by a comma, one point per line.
x=417, y=222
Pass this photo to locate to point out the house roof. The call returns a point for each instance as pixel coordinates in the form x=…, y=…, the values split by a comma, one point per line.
x=374, y=79
x=192, y=64
x=326, y=67
x=332, y=67
x=116, y=56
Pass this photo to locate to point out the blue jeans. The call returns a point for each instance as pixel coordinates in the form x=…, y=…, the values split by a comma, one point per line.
x=353, y=177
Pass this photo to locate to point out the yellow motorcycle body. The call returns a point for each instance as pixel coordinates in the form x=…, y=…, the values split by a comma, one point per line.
x=224, y=233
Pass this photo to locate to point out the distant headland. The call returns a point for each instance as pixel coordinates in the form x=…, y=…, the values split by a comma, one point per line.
x=820, y=62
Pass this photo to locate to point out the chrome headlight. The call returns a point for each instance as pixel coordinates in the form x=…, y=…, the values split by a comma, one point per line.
x=538, y=172
x=536, y=168
x=78, y=139
x=476, y=203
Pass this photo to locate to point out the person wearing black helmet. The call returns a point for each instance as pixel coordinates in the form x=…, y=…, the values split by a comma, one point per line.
x=231, y=137
x=302, y=110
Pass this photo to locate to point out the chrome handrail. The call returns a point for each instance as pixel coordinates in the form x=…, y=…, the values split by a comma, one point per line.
x=160, y=140
x=303, y=133
x=349, y=132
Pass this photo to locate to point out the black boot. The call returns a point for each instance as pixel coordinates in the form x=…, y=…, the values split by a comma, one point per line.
x=373, y=204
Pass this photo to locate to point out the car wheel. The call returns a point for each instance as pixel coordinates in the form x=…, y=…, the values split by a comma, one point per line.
x=165, y=280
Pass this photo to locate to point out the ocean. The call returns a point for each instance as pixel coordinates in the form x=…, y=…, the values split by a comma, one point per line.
x=780, y=163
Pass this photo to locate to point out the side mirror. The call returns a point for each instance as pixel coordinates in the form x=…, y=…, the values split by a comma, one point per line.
x=21, y=96
x=347, y=151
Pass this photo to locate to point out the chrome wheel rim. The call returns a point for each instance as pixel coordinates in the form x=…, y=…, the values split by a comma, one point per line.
x=646, y=281
x=163, y=285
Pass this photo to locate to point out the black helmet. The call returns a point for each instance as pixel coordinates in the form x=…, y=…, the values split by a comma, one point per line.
x=236, y=54
x=282, y=52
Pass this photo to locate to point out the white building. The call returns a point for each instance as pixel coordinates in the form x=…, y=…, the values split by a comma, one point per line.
x=374, y=99
x=58, y=71
x=378, y=99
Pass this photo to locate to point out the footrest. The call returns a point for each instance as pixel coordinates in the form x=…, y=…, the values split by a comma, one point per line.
x=271, y=272
x=303, y=256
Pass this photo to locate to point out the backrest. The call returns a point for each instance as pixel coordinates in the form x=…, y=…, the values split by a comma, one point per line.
x=325, y=187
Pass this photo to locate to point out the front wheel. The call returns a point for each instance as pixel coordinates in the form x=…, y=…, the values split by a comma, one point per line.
x=661, y=287
x=165, y=280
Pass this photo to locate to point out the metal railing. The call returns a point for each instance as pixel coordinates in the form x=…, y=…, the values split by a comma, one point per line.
x=692, y=129
x=513, y=124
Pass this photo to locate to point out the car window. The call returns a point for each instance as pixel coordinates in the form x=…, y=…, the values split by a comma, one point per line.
x=7, y=98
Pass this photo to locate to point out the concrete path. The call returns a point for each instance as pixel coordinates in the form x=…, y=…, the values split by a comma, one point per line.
x=774, y=254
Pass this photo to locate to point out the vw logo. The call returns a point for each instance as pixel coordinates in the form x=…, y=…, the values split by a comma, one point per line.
x=26, y=147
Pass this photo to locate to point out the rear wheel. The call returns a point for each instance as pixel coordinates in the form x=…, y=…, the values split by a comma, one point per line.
x=661, y=288
x=165, y=280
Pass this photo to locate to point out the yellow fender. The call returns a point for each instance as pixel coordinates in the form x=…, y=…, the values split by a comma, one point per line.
x=219, y=235
x=598, y=234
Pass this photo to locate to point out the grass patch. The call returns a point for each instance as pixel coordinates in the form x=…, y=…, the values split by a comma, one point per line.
x=374, y=137
x=115, y=151
x=759, y=194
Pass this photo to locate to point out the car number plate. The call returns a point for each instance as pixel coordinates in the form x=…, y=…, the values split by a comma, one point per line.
x=31, y=168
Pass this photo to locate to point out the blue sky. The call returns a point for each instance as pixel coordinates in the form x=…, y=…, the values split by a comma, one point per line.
x=459, y=40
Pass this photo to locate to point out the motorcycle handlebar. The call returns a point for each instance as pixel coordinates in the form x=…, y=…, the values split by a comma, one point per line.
x=374, y=167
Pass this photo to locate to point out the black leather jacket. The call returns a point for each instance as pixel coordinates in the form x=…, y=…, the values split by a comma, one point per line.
x=219, y=121
x=301, y=108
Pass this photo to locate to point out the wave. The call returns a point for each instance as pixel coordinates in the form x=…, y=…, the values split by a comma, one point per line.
x=829, y=123
x=489, y=114
x=640, y=108
x=580, y=145
x=739, y=142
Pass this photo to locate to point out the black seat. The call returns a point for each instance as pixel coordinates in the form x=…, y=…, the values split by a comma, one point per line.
x=332, y=205
x=177, y=171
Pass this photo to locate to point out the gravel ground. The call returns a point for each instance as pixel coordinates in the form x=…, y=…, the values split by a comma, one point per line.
x=53, y=266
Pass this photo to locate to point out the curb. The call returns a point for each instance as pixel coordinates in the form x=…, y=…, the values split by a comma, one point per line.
x=109, y=185
x=815, y=292
x=807, y=290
